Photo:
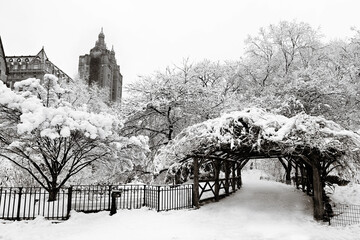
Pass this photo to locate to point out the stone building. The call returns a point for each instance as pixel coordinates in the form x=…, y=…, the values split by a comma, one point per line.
x=3, y=67
x=100, y=67
x=31, y=66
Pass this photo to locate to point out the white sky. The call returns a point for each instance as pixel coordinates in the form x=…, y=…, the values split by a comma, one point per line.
x=149, y=35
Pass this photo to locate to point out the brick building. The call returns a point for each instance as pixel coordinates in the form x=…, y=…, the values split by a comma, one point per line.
x=3, y=67
x=100, y=67
x=31, y=66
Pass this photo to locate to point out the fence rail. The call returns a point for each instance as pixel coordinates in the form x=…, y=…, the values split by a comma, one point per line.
x=345, y=214
x=27, y=203
x=207, y=188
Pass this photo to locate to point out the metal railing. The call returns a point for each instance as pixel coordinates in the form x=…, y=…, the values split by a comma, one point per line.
x=163, y=198
x=25, y=203
x=345, y=214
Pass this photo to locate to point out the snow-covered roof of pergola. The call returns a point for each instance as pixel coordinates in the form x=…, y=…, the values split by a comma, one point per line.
x=256, y=132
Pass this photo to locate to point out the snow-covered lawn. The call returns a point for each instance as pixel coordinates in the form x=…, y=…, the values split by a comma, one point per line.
x=260, y=210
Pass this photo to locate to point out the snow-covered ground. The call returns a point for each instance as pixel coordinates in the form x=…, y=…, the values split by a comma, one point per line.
x=260, y=210
x=349, y=194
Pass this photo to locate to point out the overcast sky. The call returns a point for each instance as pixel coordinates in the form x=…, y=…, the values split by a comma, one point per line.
x=149, y=35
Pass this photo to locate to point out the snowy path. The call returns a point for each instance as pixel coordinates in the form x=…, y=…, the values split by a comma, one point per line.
x=260, y=210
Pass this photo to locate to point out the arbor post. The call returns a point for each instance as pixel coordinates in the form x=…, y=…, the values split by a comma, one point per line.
x=318, y=194
x=288, y=172
x=303, y=182
x=233, y=177
x=217, y=173
x=296, y=175
x=238, y=173
x=309, y=179
x=227, y=174
x=196, y=184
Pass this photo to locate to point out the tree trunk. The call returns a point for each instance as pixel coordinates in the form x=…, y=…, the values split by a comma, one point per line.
x=53, y=194
x=53, y=191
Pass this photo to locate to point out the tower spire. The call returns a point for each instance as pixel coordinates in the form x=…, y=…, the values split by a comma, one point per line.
x=101, y=39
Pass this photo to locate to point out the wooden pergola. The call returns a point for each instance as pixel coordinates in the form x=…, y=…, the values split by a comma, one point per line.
x=308, y=173
x=229, y=142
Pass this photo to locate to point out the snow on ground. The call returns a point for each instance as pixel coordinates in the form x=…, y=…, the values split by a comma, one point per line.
x=349, y=194
x=260, y=210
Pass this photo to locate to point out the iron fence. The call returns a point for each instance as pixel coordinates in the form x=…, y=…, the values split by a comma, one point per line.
x=91, y=198
x=345, y=214
x=163, y=198
x=25, y=203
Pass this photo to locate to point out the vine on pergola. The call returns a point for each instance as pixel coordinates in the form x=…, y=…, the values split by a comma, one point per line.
x=255, y=131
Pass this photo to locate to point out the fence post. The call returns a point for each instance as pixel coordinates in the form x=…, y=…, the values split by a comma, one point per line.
x=69, y=200
x=144, y=204
x=19, y=205
x=158, y=203
x=109, y=203
x=113, y=204
x=0, y=194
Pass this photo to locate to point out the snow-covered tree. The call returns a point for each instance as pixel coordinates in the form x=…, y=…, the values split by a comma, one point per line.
x=96, y=98
x=165, y=103
x=52, y=140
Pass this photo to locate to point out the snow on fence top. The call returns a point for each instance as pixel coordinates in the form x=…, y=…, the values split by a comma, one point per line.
x=259, y=131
